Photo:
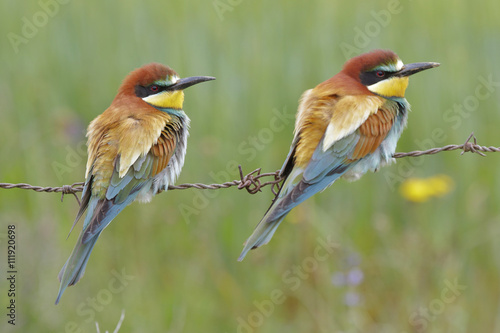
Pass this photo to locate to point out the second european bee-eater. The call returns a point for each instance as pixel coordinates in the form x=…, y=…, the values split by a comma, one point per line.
x=345, y=126
x=136, y=148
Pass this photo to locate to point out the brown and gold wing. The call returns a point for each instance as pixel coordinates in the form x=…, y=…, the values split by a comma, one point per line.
x=372, y=132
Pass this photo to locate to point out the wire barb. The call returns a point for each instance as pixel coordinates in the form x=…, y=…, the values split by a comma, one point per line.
x=252, y=181
x=65, y=189
x=466, y=147
x=469, y=147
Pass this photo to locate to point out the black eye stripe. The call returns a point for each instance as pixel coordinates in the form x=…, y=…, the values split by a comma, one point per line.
x=145, y=91
x=371, y=77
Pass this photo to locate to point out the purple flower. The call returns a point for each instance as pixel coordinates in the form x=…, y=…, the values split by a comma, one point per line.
x=355, y=276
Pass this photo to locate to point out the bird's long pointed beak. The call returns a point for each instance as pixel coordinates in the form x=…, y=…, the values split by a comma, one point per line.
x=411, y=69
x=189, y=81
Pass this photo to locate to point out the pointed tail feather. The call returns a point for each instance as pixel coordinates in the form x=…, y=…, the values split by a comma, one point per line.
x=274, y=215
x=261, y=235
x=270, y=222
x=292, y=194
x=74, y=268
x=100, y=213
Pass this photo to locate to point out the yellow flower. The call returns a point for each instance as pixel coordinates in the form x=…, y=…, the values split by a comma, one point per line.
x=422, y=189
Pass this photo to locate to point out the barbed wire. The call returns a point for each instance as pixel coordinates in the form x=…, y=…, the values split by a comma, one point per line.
x=252, y=182
x=466, y=147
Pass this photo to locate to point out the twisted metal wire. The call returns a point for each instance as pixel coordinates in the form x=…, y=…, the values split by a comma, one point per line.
x=252, y=182
x=466, y=148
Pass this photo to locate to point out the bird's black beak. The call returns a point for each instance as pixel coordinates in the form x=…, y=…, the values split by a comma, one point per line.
x=188, y=82
x=411, y=69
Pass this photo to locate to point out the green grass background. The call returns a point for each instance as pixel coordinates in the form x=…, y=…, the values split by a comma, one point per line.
x=264, y=55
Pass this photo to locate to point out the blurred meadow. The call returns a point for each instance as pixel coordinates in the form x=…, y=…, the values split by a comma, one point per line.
x=376, y=255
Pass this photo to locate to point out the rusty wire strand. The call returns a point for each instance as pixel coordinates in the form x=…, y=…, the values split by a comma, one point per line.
x=252, y=181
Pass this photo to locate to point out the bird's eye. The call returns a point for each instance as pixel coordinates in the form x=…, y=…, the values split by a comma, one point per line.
x=380, y=73
x=154, y=88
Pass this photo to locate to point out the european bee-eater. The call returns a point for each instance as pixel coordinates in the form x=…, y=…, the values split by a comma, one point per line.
x=136, y=148
x=345, y=126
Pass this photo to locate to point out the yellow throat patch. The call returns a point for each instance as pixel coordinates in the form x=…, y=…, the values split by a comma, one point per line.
x=392, y=87
x=167, y=99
